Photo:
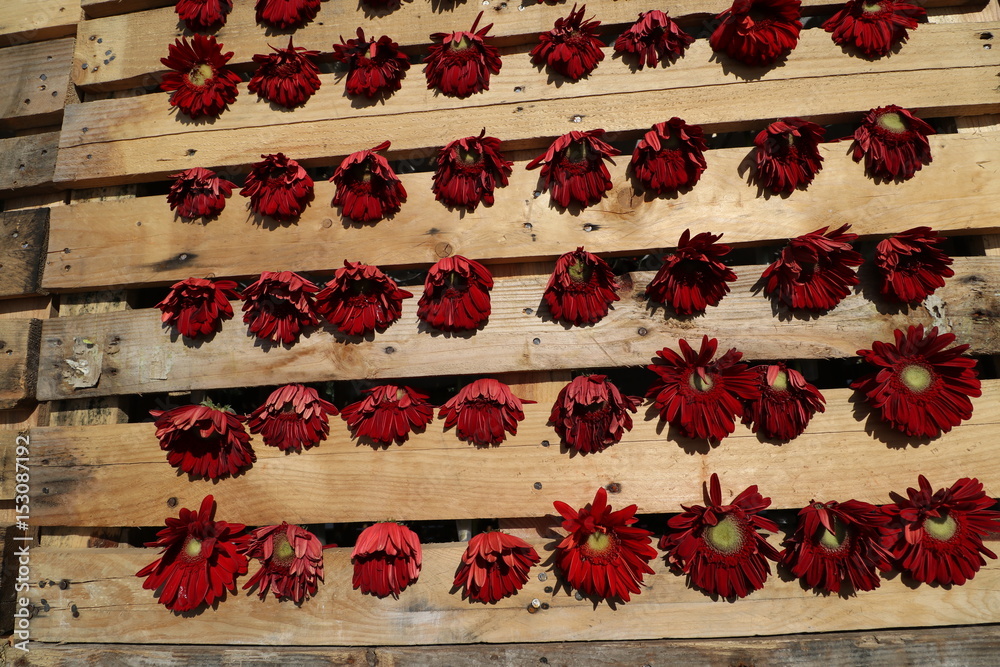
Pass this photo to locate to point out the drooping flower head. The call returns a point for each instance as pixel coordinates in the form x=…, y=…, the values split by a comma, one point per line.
x=786, y=404
x=670, y=157
x=469, y=170
x=814, y=271
x=456, y=295
x=285, y=14
x=460, y=63
x=483, y=410
x=893, y=143
x=293, y=418
x=572, y=48
x=204, y=440
x=574, y=169
x=758, y=32
x=388, y=413
x=920, y=389
x=719, y=546
x=288, y=77
x=203, y=15
x=279, y=305
x=198, y=193
x=603, y=555
x=291, y=562
x=698, y=395
x=197, y=306
x=375, y=68
x=581, y=288
x=873, y=27
x=693, y=277
x=278, y=187
x=360, y=299
x=591, y=414
x=199, y=559
x=911, y=266
x=387, y=558
x=367, y=187
x=653, y=38
x=787, y=155
x=494, y=566
x=202, y=84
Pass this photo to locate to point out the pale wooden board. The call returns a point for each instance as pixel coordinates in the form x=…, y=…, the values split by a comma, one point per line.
x=34, y=79
x=27, y=163
x=18, y=360
x=37, y=20
x=22, y=254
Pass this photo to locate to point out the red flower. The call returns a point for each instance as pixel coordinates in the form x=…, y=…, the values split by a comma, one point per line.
x=367, y=187
x=203, y=15
x=815, y=271
x=360, y=299
x=293, y=417
x=654, y=37
x=581, y=288
x=911, y=266
x=483, y=410
x=591, y=414
x=574, y=167
x=202, y=84
x=893, y=143
x=374, y=68
x=278, y=187
x=386, y=559
x=719, y=546
x=603, y=555
x=199, y=560
x=279, y=305
x=469, y=170
x=699, y=395
x=287, y=77
x=494, y=566
x=285, y=14
x=198, y=193
x=787, y=155
x=204, y=440
x=921, y=389
x=670, y=157
x=693, y=278
x=291, y=562
x=456, y=295
x=388, y=413
x=758, y=32
x=873, y=26
x=197, y=307
x=461, y=63
x=786, y=403
x=572, y=48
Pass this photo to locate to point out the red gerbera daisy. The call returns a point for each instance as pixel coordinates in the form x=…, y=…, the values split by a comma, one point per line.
x=574, y=168
x=893, y=143
x=204, y=440
x=278, y=305
x=719, y=546
x=786, y=403
x=815, y=271
x=285, y=14
x=494, y=566
x=278, y=187
x=202, y=84
x=287, y=77
x=911, y=265
x=199, y=560
x=197, y=306
x=483, y=410
x=581, y=288
x=198, y=193
x=387, y=559
x=291, y=562
x=787, y=155
x=873, y=26
x=456, y=295
x=591, y=414
x=921, y=389
x=293, y=417
x=653, y=38
x=603, y=554
x=367, y=187
x=360, y=299
x=375, y=68
x=693, y=278
x=469, y=170
x=388, y=413
x=204, y=15
x=670, y=157
x=699, y=395
x=460, y=63
x=572, y=48
x=758, y=32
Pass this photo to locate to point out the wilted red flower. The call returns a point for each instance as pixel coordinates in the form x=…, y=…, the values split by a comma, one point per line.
x=591, y=414
x=202, y=84
x=574, y=168
x=699, y=395
x=374, y=67
x=469, y=170
x=203, y=15
x=456, y=295
x=279, y=187
x=719, y=546
x=388, y=413
x=670, y=157
x=786, y=404
x=367, y=187
x=278, y=305
x=494, y=566
x=291, y=562
x=911, y=265
x=815, y=271
x=873, y=26
x=893, y=143
x=387, y=559
x=293, y=417
x=921, y=389
x=787, y=155
x=572, y=48
x=199, y=560
x=198, y=193
x=288, y=77
x=483, y=410
x=581, y=288
x=284, y=14
x=360, y=299
x=197, y=307
x=204, y=440
x=603, y=554
x=693, y=278
x=654, y=37
x=460, y=63
x=758, y=32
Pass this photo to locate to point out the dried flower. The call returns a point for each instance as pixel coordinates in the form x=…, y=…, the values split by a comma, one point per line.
x=368, y=189
x=204, y=440
x=873, y=27
x=387, y=558
x=460, y=63
x=360, y=299
x=202, y=84
x=893, y=143
x=572, y=48
x=456, y=295
x=670, y=157
x=285, y=14
x=278, y=305
x=591, y=414
x=198, y=193
x=375, y=68
x=494, y=566
x=388, y=413
x=469, y=170
x=278, y=187
x=581, y=289
x=786, y=404
x=911, y=266
x=655, y=37
x=291, y=562
x=197, y=307
x=574, y=168
x=288, y=77
x=815, y=271
x=293, y=418
x=693, y=277
x=787, y=155
x=483, y=410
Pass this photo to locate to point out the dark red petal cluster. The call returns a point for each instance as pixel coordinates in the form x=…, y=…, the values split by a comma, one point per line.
x=911, y=266
x=293, y=417
x=197, y=307
x=360, y=299
x=387, y=558
x=603, y=555
x=278, y=187
x=873, y=27
x=367, y=187
x=203, y=15
x=693, y=277
x=285, y=14
x=494, y=566
x=572, y=48
x=199, y=559
x=670, y=157
x=653, y=38
x=460, y=63
x=591, y=414
x=388, y=413
x=198, y=193
x=278, y=305
x=787, y=155
x=814, y=271
x=581, y=289
x=288, y=77
x=469, y=170
x=202, y=84
x=456, y=295
x=893, y=143
x=204, y=441
x=574, y=169
x=482, y=411
x=375, y=68
x=758, y=32
x=786, y=404
x=291, y=562
x=719, y=546
x=920, y=389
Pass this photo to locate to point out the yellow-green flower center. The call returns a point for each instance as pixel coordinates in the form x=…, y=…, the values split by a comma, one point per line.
x=193, y=548
x=468, y=157
x=598, y=542
x=725, y=536
x=577, y=151
x=579, y=271
x=780, y=381
x=283, y=551
x=200, y=74
x=461, y=44
x=916, y=378
x=893, y=122
x=871, y=8
x=834, y=540
x=699, y=383
x=940, y=528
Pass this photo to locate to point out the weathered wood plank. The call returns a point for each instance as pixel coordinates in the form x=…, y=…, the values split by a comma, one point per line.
x=19, y=341
x=34, y=79
x=93, y=9
x=27, y=163
x=37, y=20
x=22, y=254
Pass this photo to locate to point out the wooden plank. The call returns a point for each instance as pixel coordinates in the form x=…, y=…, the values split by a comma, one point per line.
x=37, y=20
x=22, y=255
x=34, y=80
x=19, y=341
x=93, y=9
x=27, y=163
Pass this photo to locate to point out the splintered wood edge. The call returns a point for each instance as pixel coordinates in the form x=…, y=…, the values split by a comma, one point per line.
x=19, y=343
x=22, y=255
